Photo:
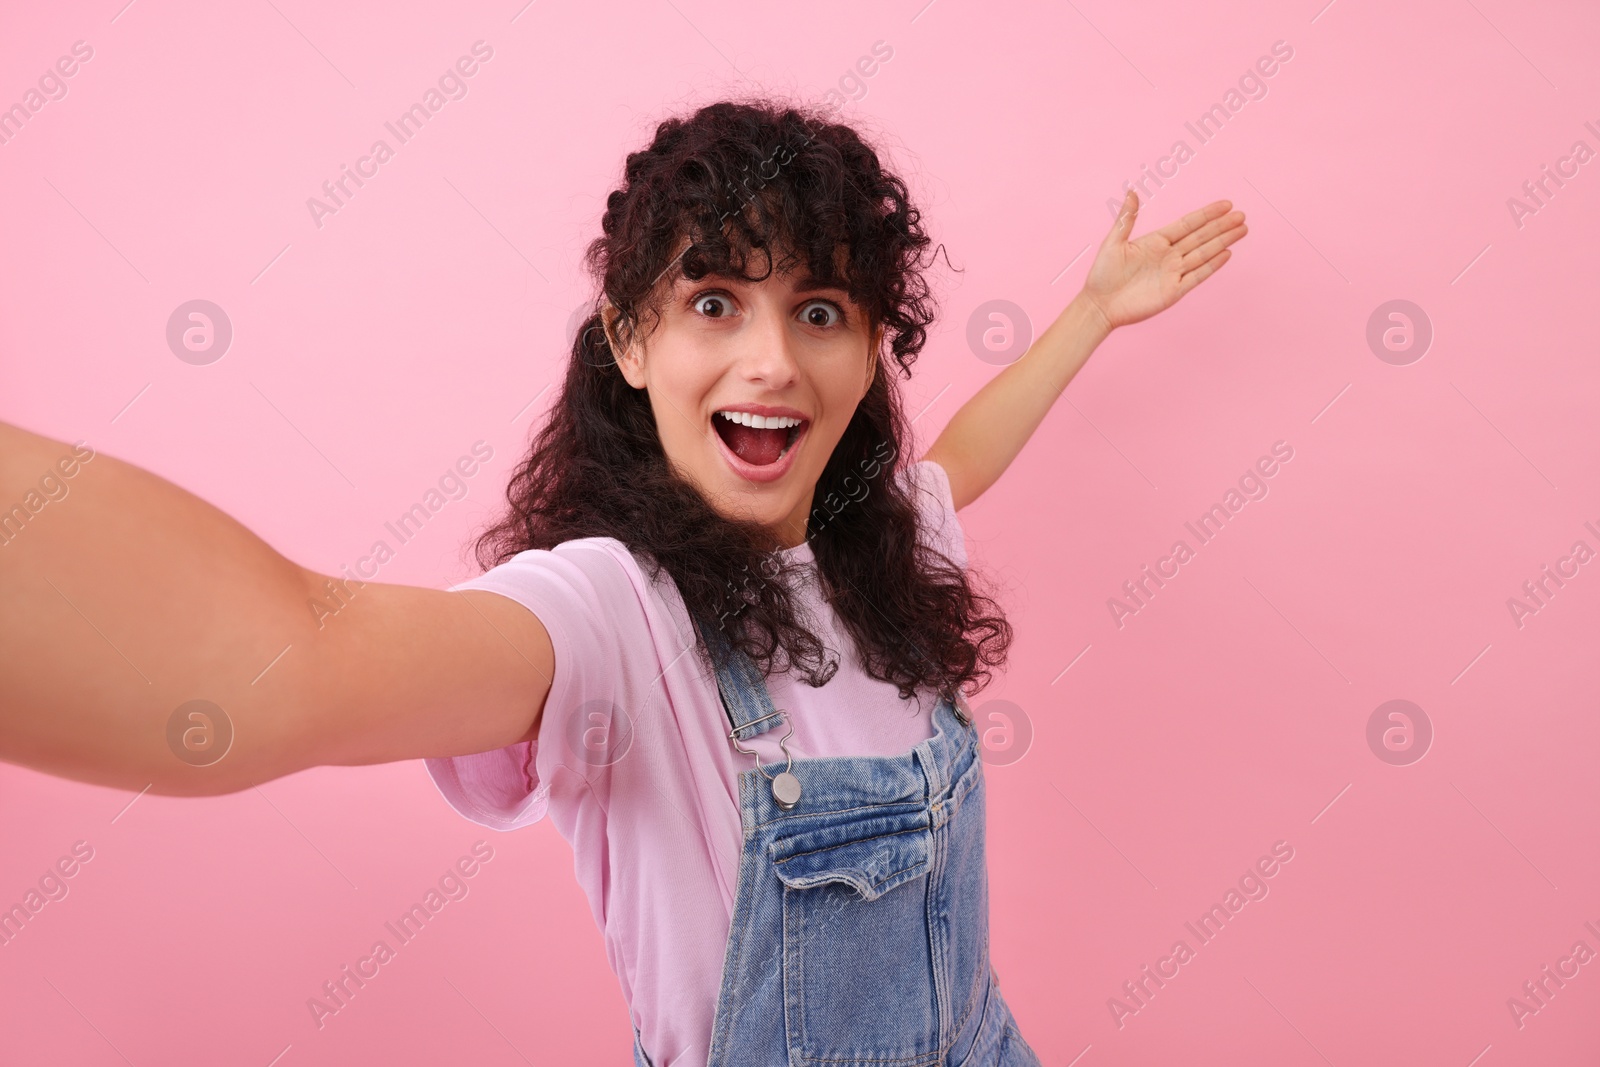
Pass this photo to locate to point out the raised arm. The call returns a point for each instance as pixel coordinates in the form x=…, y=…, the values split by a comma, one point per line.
x=123, y=598
x=1128, y=281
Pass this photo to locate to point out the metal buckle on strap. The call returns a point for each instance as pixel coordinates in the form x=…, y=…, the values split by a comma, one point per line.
x=785, y=786
x=733, y=734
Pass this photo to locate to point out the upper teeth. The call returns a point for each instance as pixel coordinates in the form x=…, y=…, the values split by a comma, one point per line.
x=760, y=422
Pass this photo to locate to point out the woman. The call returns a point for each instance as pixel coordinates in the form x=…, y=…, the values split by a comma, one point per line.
x=783, y=872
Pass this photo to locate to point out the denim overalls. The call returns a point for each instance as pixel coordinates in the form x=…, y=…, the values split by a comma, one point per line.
x=860, y=928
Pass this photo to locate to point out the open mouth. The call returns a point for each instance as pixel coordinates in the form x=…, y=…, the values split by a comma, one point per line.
x=758, y=440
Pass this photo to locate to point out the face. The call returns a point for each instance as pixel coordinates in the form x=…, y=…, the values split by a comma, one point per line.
x=752, y=385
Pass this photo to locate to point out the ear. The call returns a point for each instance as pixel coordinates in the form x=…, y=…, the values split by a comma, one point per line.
x=872, y=358
x=629, y=361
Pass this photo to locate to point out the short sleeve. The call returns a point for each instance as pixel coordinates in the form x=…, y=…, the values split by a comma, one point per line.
x=930, y=488
x=575, y=590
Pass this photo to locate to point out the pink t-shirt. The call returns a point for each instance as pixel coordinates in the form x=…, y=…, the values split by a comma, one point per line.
x=655, y=834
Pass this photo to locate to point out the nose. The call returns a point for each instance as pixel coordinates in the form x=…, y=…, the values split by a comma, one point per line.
x=766, y=351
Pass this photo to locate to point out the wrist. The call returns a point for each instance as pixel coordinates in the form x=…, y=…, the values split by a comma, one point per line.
x=1090, y=315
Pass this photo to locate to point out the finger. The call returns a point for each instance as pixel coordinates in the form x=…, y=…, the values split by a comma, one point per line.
x=1199, y=255
x=1123, y=225
x=1204, y=271
x=1208, y=231
x=1178, y=230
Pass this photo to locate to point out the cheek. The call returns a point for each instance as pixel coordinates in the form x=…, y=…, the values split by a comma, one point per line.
x=679, y=397
x=843, y=386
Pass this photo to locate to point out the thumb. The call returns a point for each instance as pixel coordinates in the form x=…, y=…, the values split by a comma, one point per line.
x=1123, y=226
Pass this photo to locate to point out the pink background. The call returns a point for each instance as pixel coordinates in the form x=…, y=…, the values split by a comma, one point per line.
x=1230, y=713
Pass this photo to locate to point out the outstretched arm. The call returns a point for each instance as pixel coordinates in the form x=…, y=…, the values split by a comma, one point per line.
x=1129, y=281
x=123, y=598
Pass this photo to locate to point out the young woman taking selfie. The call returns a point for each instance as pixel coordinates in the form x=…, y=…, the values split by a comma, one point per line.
x=726, y=632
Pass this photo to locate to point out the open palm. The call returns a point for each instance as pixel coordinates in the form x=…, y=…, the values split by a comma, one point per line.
x=1132, y=280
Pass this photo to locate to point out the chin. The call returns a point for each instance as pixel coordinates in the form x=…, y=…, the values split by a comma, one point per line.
x=740, y=501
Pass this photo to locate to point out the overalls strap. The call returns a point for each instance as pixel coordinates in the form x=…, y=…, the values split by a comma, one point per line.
x=744, y=691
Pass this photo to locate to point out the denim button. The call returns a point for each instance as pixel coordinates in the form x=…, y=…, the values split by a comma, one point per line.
x=786, y=790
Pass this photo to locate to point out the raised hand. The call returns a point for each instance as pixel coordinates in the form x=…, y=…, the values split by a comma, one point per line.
x=1131, y=280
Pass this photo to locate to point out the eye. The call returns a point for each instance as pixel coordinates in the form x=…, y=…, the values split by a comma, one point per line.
x=817, y=313
x=713, y=304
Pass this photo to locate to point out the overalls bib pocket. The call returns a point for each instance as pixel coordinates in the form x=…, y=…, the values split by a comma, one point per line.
x=859, y=984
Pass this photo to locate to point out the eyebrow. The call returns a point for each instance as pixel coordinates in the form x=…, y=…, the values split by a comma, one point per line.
x=804, y=284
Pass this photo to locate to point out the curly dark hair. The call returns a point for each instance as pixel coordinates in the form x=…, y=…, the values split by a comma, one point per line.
x=730, y=179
